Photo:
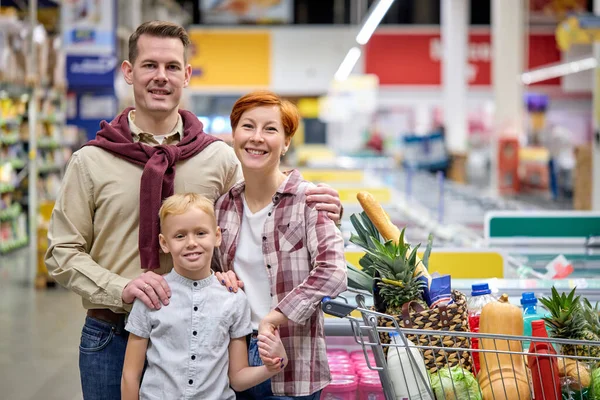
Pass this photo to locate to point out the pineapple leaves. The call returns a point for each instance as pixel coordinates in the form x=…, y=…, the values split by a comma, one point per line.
x=428, y=251
x=391, y=264
x=358, y=279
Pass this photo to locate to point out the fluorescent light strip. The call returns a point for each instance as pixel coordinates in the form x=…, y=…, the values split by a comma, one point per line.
x=555, y=71
x=373, y=21
x=348, y=64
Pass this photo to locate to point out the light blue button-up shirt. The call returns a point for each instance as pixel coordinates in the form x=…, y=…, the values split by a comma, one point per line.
x=187, y=352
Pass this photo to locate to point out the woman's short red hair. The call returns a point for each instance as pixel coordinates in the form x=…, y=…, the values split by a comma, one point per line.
x=290, y=116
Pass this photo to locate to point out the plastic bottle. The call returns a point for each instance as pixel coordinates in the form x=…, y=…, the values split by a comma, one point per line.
x=403, y=371
x=480, y=296
x=544, y=367
x=530, y=314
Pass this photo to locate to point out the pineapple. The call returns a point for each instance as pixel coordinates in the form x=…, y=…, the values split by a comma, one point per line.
x=591, y=315
x=391, y=265
x=567, y=321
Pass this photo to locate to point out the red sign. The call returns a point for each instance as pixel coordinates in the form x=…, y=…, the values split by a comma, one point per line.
x=415, y=59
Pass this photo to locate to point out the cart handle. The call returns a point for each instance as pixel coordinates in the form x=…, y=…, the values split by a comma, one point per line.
x=336, y=308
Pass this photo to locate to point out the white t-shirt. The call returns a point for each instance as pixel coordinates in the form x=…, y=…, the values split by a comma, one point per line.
x=249, y=263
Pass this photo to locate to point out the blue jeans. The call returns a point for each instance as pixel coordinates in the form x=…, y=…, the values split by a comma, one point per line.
x=101, y=355
x=262, y=391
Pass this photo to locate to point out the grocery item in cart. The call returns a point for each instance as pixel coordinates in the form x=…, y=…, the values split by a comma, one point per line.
x=574, y=374
x=530, y=314
x=480, y=296
x=390, y=272
x=455, y=383
x=502, y=376
x=386, y=228
x=407, y=371
x=571, y=319
x=543, y=365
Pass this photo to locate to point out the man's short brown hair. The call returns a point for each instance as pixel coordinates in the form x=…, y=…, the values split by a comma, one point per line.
x=161, y=29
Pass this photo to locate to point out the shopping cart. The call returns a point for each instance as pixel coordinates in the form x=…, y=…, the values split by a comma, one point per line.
x=504, y=373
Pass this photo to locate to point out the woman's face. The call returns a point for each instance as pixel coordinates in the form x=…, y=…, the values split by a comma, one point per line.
x=259, y=139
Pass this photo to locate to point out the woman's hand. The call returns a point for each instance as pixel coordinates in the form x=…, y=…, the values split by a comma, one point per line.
x=267, y=327
x=229, y=280
x=271, y=351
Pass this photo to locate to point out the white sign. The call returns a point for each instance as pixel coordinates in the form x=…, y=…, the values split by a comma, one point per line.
x=88, y=26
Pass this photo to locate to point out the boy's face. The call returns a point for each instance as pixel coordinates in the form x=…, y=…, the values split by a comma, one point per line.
x=191, y=238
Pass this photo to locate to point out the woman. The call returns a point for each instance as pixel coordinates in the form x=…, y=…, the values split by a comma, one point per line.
x=288, y=254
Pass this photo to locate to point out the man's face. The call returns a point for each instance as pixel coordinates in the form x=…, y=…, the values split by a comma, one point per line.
x=158, y=75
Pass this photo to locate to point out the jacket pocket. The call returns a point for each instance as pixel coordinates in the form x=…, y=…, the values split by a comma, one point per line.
x=291, y=236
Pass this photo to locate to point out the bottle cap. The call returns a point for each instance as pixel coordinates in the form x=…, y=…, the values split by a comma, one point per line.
x=538, y=323
x=538, y=328
x=480, y=289
x=528, y=299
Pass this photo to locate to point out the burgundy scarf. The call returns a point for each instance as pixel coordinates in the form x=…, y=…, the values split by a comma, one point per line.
x=159, y=170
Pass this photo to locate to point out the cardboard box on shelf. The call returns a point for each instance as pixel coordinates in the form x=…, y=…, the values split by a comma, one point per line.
x=582, y=184
x=508, y=165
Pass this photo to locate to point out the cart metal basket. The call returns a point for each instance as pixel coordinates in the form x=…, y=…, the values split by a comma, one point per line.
x=504, y=373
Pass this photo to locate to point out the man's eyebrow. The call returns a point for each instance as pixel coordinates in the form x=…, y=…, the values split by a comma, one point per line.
x=149, y=60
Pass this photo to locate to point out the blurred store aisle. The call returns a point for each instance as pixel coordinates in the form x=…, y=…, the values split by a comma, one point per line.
x=39, y=336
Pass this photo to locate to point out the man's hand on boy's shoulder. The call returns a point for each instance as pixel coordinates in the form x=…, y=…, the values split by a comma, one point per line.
x=326, y=199
x=150, y=287
x=230, y=280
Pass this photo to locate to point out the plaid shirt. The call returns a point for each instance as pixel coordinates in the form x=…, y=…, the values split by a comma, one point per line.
x=304, y=257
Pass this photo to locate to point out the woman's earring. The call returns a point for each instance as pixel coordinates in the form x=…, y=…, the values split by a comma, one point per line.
x=282, y=153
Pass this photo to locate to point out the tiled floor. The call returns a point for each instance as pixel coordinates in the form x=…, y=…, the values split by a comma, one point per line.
x=39, y=336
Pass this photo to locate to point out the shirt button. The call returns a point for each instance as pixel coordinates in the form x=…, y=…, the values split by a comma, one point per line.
x=269, y=214
x=264, y=238
x=195, y=308
x=193, y=358
x=269, y=266
x=190, y=381
x=194, y=333
x=195, y=283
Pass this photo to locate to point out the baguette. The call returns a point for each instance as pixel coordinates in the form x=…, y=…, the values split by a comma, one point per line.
x=386, y=228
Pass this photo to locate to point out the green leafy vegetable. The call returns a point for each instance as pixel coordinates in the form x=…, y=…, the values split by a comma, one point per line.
x=455, y=383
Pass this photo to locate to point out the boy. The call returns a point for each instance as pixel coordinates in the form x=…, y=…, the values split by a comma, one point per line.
x=196, y=347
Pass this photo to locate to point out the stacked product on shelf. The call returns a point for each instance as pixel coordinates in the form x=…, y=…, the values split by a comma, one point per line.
x=13, y=155
x=351, y=377
x=24, y=86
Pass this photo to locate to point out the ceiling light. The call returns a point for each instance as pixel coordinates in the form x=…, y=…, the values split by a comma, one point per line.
x=348, y=64
x=373, y=21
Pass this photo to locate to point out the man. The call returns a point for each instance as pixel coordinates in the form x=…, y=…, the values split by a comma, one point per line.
x=104, y=228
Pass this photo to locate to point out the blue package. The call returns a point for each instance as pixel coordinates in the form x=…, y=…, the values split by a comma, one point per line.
x=440, y=290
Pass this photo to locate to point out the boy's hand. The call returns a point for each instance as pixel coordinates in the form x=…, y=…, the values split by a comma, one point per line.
x=271, y=351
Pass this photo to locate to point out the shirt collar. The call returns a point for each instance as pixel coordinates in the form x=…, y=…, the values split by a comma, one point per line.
x=190, y=282
x=288, y=186
x=145, y=137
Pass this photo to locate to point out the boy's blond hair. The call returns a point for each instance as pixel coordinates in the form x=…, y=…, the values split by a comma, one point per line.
x=178, y=204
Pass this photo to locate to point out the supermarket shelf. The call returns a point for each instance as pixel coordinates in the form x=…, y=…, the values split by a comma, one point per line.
x=6, y=188
x=10, y=139
x=14, y=244
x=10, y=213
